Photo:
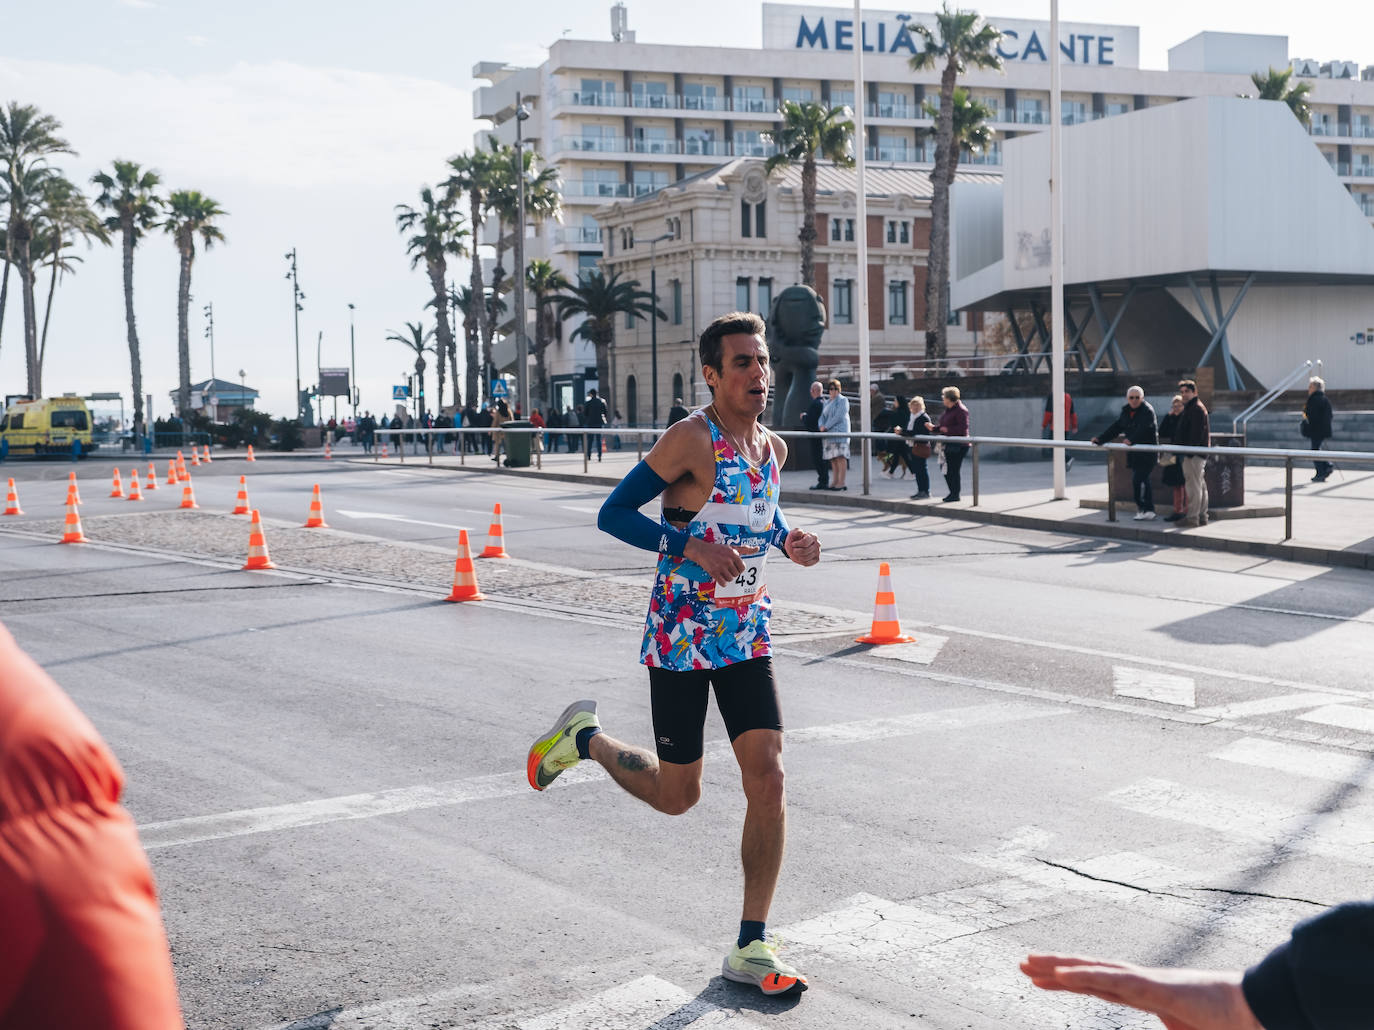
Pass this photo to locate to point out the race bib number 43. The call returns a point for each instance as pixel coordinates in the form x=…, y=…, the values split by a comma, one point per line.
x=747, y=587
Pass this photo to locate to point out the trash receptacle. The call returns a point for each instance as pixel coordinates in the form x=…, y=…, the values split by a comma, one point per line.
x=518, y=444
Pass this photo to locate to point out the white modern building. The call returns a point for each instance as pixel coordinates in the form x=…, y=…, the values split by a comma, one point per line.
x=622, y=119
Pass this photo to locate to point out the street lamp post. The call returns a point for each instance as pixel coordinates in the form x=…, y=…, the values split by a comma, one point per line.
x=296, y=297
x=243, y=390
x=653, y=327
x=210, y=335
x=521, y=343
x=353, y=366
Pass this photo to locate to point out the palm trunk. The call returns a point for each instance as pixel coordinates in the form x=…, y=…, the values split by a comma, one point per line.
x=438, y=272
x=937, y=264
x=34, y=384
x=4, y=291
x=541, y=343
x=135, y=362
x=453, y=369
x=478, y=312
x=489, y=327
x=47, y=311
x=807, y=233
x=604, y=343
x=188, y=253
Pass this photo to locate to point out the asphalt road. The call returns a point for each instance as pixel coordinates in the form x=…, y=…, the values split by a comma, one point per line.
x=1092, y=747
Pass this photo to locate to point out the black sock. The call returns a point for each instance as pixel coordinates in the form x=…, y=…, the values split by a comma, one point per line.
x=584, y=737
x=749, y=930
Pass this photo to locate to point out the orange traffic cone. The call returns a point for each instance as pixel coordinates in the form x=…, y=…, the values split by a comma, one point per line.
x=188, y=497
x=257, y=546
x=241, y=505
x=12, y=502
x=250, y=453
x=152, y=478
x=134, y=494
x=182, y=475
x=195, y=456
x=72, y=534
x=464, y=575
x=116, y=490
x=316, y=518
x=887, y=628
x=71, y=486
x=328, y=451
x=171, y=472
x=384, y=454
x=496, y=537
x=206, y=459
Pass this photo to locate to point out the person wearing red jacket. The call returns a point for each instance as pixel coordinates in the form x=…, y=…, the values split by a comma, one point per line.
x=1070, y=424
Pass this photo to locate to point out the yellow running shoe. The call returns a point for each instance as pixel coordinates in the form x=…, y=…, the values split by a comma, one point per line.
x=757, y=963
x=556, y=751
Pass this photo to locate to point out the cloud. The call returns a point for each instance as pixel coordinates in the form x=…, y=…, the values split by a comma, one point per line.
x=140, y=4
x=277, y=123
x=197, y=40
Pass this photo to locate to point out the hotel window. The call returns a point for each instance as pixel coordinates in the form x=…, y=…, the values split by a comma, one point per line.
x=649, y=180
x=699, y=97
x=699, y=141
x=892, y=105
x=752, y=219
x=896, y=302
x=742, y=293
x=1115, y=107
x=765, y=296
x=597, y=93
x=649, y=94
x=898, y=231
x=994, y=106
x=1031, y=111
x=893, y=147
x=600, y=182
x=677, y=301
x=841, y=96
x=751, y=143
x=750, y=98
x=841, y=228
x=652, y=139
x=1073, y=112
x=595, y=137
x=841, y=307
x=798, y=94
x=586, y=264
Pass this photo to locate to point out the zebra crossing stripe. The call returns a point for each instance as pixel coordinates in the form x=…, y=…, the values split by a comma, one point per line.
x=1298, y=760
x=1271, y=705
x=1346, y=717
x=648, y=1001
x=1151, y=685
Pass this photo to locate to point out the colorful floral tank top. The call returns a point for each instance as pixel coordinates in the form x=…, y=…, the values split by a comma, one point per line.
x=694, y=623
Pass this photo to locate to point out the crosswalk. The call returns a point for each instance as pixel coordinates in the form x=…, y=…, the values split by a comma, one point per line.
x=955, y=951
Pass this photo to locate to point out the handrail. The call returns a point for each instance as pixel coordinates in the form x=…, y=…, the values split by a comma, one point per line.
x=1272, y=394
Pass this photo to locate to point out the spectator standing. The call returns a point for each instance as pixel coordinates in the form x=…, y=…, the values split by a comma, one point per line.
x=1173, y=467
x=918, y=425
x=617, y=422
x=537, y=420
x=677, y=412
x=811, y=422
x=596, y=417
x=1316, y=423
x=484, y=420
x=1137, y=424
x=954, y=421
x=1194, y=429
x=500, y=415
x=1070, y=424
x=554, y=421
x=835, y=419
x=572, y=418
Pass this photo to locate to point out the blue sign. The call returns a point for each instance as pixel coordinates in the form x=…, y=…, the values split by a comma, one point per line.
x=498, y=388
x=400, y=393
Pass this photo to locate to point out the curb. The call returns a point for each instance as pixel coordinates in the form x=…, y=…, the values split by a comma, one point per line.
x=1309, y=555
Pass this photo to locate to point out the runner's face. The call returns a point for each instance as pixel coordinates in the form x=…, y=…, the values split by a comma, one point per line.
x=742, y=382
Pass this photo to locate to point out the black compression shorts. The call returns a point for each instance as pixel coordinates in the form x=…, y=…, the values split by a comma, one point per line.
x=746, y=694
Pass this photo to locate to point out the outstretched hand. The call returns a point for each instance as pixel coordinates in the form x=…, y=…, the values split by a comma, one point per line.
x=802, y=547
x=1183, y=999
x=721, y=561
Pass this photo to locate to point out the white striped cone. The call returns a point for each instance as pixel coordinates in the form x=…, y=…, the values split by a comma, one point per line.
x=887, y=627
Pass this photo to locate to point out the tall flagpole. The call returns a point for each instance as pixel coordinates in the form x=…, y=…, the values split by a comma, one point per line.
x=861, y=238
x=1056, y=253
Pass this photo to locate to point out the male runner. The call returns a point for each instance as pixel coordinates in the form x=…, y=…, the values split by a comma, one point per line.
x=718, y=472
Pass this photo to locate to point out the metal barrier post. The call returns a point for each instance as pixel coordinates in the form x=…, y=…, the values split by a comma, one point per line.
x=639, y=442
x=973, y=447
x=1111, y=497
x=1287, y=498
x=462, y=448
x=586, y=453
x=429, y=445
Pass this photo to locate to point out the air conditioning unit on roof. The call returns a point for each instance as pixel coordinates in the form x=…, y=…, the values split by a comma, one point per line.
x=1368, y=74
x=1305, y=68
x=1340, y=70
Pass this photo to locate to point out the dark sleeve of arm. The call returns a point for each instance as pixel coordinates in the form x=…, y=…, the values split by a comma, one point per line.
x=620, y=515
x=1323, y=978
x=1110, y=433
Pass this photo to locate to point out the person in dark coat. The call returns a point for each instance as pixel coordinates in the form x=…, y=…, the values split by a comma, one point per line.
x=811, y=422
x=1173, y=467
x=1194, y=429
x=954, y=421
x=1137, y=424
x=677, y=412
x=1316, y=421
x=918, y=423
x=595, y=416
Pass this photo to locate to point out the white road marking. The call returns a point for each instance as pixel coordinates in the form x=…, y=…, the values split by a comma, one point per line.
x=1153, y=686
x=1298, y=760
x=1345, y=716
x=581, y=509
x=1342, y=835
x=1271, y=705
x=393, y=1014
x=920, y=722
x=648, y=1001
x=922, y=651
x=383, y=516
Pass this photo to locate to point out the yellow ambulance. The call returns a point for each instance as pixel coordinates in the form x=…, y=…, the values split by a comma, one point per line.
x=47, y=426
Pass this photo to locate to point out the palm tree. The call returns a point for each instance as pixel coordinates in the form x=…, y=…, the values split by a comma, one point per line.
x=972, y=133
x=544, y=282
x=130, y=195
x=810, y=130
x=964, y=39
x=600, y=299
x=65, y=218
x=28, y=139
x=189, y=214
x=438, y=235
x=416, y=338
x=473, y=176
x=1273, y=85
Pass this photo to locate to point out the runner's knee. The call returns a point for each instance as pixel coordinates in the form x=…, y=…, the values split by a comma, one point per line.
x=765, y=786
x=680, y=800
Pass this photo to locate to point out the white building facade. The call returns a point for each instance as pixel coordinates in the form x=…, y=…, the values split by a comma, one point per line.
x=622, y=119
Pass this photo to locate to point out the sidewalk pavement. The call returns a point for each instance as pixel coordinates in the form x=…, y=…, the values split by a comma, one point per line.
x=1333, y=522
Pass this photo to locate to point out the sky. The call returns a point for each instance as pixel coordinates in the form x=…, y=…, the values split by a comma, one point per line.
x=309, y=121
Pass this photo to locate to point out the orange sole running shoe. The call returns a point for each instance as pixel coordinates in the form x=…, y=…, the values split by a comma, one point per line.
x=556, y=752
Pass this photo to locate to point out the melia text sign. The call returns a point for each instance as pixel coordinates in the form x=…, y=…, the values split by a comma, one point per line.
x=795, y=27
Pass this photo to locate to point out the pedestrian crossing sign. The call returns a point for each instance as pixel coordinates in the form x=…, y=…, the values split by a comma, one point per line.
x=400, y=393
x=498, y=388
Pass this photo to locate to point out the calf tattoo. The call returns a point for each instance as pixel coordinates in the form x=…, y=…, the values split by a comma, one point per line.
x=634, y=761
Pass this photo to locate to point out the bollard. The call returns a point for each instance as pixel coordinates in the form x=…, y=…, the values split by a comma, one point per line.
x=1111, y=497
x=429, y=446
x=973, y=449
x=1287, y=499
x=462, y=448
x=639, y=442
x=586, y=454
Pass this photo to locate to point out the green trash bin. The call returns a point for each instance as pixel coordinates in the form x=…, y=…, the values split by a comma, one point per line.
x=518, y=444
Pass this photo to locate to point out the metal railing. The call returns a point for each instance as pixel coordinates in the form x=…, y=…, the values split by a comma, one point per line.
x=460, y=436
x=1272, y=394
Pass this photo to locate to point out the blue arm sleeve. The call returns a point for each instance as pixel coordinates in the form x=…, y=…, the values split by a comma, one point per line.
x=620, y=515
x=780, y=529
